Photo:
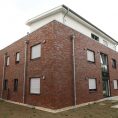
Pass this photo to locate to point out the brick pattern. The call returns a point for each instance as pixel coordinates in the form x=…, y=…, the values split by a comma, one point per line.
x=55, y=67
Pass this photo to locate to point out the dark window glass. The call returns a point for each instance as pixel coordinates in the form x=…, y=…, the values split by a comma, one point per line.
x=15, y=84
x=93, y=36
x=5, y=84
x=113, y=63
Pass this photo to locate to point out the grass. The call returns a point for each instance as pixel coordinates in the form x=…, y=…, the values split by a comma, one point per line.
x=97, y=110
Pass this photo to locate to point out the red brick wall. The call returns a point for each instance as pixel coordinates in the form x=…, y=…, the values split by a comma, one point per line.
x=43, y=66
x=56, y=66
x=84, y=70
x=13, y=71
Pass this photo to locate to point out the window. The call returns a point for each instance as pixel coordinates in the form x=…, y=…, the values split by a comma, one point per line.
x=105, y=43
x=90, y=56
x=103, y=59
x=15, y=84
x=36, y=51
x=35, y=86
x=5, y=84
x=92, y=84
x=104, y=62
x=17, y=57
x=93, y=36
x=113, y=63
x=7, y=61
x=115, y=84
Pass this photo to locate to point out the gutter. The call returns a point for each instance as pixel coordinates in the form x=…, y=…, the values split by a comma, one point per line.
x=25, y=67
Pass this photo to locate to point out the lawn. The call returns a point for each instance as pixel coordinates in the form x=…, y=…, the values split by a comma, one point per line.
x=97, y=110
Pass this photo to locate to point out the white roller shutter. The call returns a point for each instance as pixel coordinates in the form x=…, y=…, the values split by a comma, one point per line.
x=92, y=84
x=90, y=56
x=115, y=84
x=8, y=62
x=18, y=56
x=35, y=86
x=36, y=51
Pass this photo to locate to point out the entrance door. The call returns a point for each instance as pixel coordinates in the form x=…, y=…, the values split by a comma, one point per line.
x=106, y=90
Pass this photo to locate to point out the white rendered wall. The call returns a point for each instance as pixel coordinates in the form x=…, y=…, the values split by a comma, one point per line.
x=42, y=22
x=69, y=21
x=86, y=31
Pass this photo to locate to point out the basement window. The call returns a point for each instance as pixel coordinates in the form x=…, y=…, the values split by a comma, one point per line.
x=92, y=84
x=114, y=63
x=5, y=84
x=91, y=56
x=36, y=51
x=115, y=84
x=35, y=86
x=15, y=84
x=17, y=57
x=93, y=36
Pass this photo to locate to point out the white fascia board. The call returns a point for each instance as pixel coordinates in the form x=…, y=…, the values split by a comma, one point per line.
x=45, y=14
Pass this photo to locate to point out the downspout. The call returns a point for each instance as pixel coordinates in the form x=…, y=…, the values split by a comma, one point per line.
x=65, y=16
x=4, y=64
x=74, y=70
x=73, y=51
x=25, y=67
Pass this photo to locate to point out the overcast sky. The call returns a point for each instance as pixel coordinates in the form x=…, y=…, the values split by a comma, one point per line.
x=14, y=14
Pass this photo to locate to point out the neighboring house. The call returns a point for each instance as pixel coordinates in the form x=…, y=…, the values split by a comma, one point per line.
x=64, y=61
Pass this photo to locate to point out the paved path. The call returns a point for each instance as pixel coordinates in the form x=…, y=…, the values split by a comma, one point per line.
x=113, y=99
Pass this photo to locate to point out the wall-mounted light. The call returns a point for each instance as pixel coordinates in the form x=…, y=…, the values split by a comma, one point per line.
x=44, y=41
x=43, y=77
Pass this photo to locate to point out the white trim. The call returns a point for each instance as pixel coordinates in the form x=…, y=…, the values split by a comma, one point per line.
x=45, y=14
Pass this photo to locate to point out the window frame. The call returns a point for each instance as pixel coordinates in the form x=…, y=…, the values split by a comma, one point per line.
x=31, y=51
x=16, y=58
x=39, y=86
x=92, y=90
x=93, y=55
x=15, y=87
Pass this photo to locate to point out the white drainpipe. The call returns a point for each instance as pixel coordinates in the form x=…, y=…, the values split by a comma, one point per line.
x=4, y=64
x=74, y=69
x=25, y=67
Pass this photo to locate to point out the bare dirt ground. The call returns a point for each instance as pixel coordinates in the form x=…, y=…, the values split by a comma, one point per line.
x=97, y=110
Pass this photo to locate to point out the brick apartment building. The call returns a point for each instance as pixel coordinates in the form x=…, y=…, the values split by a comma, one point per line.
x=64, y=61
